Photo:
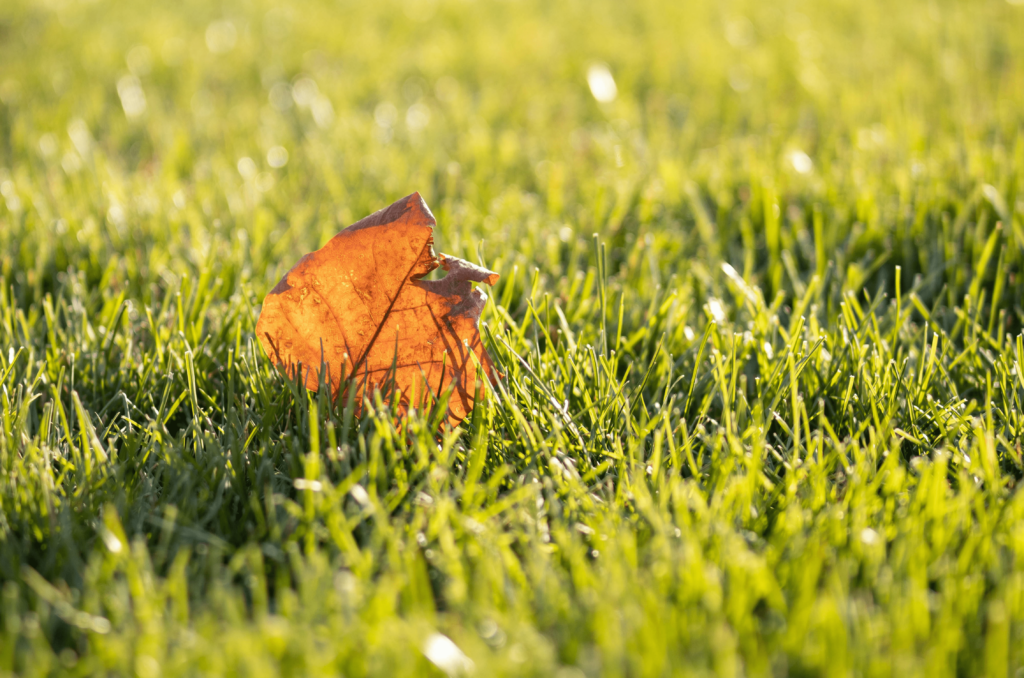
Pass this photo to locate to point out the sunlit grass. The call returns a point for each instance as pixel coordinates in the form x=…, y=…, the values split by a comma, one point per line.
x=759, y=319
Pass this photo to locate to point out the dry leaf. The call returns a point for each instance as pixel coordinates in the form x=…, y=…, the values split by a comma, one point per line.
x=359, y=307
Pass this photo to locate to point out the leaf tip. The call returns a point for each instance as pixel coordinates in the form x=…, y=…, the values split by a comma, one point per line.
x=415, y=204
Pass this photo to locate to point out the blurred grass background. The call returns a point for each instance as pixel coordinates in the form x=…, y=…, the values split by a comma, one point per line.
x=760, y=313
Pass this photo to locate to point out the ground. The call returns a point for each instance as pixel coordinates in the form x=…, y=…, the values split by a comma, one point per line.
x=759, y=318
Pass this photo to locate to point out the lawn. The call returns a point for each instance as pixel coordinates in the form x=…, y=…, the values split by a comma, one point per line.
x=759, y=318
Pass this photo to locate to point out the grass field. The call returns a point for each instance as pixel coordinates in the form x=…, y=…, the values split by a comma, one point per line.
x=760, y=317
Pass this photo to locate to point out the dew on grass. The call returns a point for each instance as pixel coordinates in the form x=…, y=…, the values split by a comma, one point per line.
x=717, y=310
x=361, y=496
x=133, y=99
x=323, y=112
x=7, y=189
x=801, y=162
x=417, y=117
x=71, y=163
x=116, y=215
x=111, y=541
x=602, y=84
x=305, y=92
x=277, y=157
x=246, y=167
x=80, y=136
x=446, y=655
x=385, y=114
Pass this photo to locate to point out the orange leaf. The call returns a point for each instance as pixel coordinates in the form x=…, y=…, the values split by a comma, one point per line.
x=359, y=307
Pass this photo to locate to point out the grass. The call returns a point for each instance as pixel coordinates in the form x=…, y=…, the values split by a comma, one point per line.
x=760, y=319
